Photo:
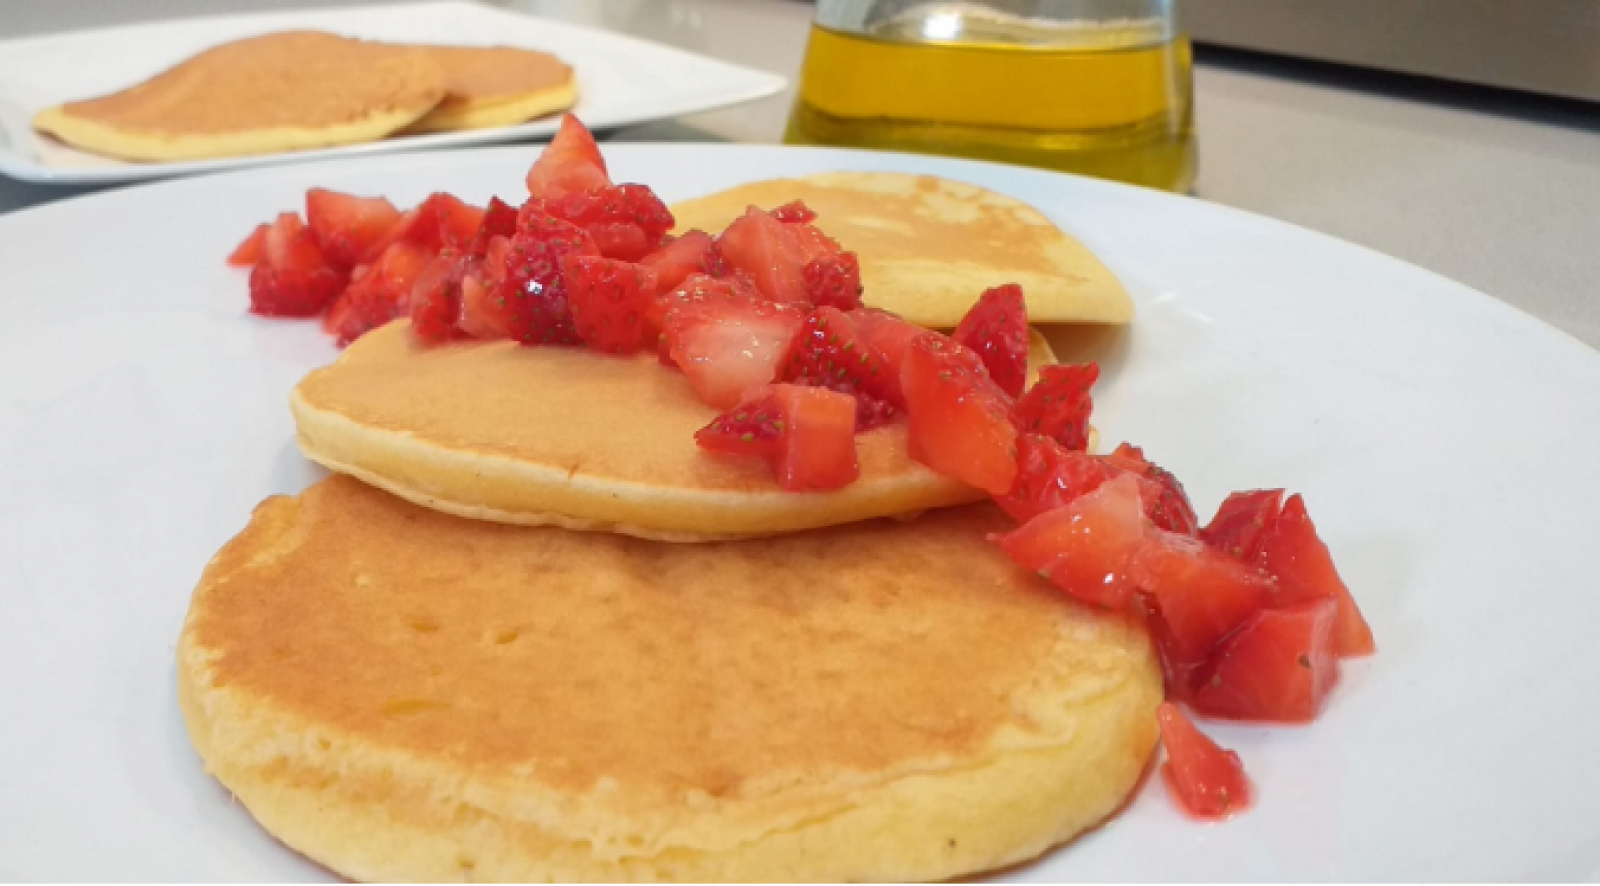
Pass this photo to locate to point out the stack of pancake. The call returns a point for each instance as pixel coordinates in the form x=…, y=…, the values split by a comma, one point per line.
x=307, y=89
x=672, y=669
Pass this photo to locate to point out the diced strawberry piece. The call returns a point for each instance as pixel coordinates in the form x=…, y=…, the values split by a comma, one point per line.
x=1277, y=667
x=1165, y=501
x=833, y=281
x=716, y=264
x=627, y=222
x=674, y=261
x=482, y=298
x=499, y=220
x=571, y=162
x=1292, y=552
x=829, y=353
x=996, y=329
x=806, y=433
x=795, y=211
x=1201, y=593
x=960, y=421
x=762, y=247
x=1206, y=780
x=248, y=252
x=1049, y=476
x=530, y=302
x=812, y=244
x=435, y=299
x=292, y=292
x=458, y=222
x=288, y=246
x=728, y=342
x=886, y=332
x=1058, y=405
x=1242, y=518
x=1085, y=548
x=697, y=288
x=609, y=301
x=380, y=295
x=346, y=226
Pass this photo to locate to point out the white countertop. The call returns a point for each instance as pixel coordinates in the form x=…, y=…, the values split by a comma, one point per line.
x=1498, y=191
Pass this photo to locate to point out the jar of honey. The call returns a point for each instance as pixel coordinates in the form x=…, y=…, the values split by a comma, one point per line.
x=1099, y=87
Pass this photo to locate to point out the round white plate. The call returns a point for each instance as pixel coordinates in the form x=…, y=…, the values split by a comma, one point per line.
x=1445, y=444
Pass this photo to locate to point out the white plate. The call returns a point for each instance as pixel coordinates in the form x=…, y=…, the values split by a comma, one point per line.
x=1444, y=441
x=621, y=80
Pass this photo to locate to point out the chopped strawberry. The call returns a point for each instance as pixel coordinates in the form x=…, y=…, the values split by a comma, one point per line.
x=886, y=332
x=1165, y=501
x=1201, y=593
x=435, y=298
x=833, y=281
x=627, y=222
x=380, y=295
x=248, y=252
x=1207, y=781
x=697, y=288
x=728, y=342
x=571, y=162
x=1049, y=476
x=1291, y=551
x=482, y=316
x=1085, y=548
x=1277, y=667
x=763, y=247
x=794, y=212
x=346, y=226
x=1058, y=405
x=996, y=328
x=829, y=353
x=1242, y=518
x=676, y=259
x=292, y=293
x=811, y=242
x=716, y=264
x=458, y=222
x=529, y=303
x=288, y=245
x=499, y=220
x=609, y=300
x=960, y=421
x=807, y=434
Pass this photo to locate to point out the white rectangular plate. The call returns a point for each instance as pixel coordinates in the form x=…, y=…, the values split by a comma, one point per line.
x=621, y=80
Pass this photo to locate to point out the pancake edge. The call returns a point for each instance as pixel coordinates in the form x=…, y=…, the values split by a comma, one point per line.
x=497, y=112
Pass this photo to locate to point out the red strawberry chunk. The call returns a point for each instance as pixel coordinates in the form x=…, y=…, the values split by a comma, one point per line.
x=530, y=302
x=763, y=247
x=499, y=220
x=728, y=343
x=811, y=243
x=1278, y=667
x=960, y=422
x=676, y=259
x=292, y=292
x=1206, y=780
x=1240, y=521
x=1201, y=593
x=807, y=434
x=346, y=226
x=571, y=162
x=834, y=281
x=829, y=353
x=248, y=252
x=627, y=222
x=996, y=328
x=458, y=222
x=1086, y=547
x=1058, y=405
x=1165, y=501
x=1050, y=476
x=435, y=298
x=288, y=245
x=795, y=211
x=1291, y=551
x=609, y=301
x=889, y=334
x=380, y=295
x=696, y=289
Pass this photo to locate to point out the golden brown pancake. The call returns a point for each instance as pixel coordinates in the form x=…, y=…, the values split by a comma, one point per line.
x=405, y=695
x=279, y=92
x=496, y=86
x=570, y=437
x=929, y=246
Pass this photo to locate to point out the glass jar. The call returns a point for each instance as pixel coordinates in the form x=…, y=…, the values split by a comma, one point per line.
x=1099, y=87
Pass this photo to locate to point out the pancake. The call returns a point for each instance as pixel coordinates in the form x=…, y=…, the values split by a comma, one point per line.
x=496, y=86
x=279, y=92
x=929, y=246
x=568, y=437
x=405, y=695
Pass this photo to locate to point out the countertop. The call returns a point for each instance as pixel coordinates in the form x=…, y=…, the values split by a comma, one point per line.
x=1498, y=190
